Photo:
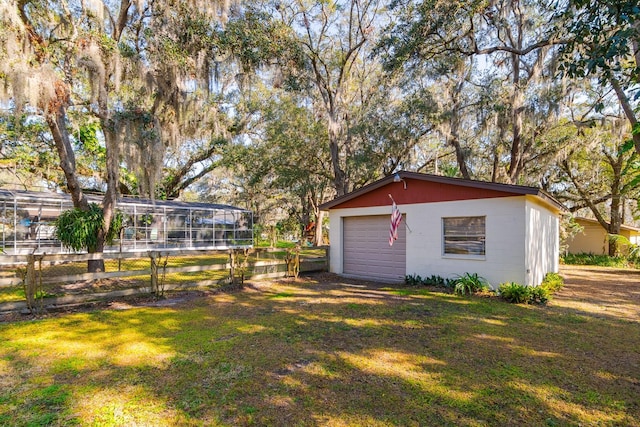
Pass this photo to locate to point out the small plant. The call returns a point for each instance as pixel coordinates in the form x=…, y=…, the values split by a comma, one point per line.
x=634, y=253
x=469, y=283
x=514, y=292
x=552, y=282
x=412, y=280
x=521, y=294
x=78, y=229
x=538, y=295
x=434, y=281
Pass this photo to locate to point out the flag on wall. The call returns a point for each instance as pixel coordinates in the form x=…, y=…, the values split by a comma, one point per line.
x=396, y=218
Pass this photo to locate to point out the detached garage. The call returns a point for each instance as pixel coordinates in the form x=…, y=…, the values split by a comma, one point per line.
x=449, y=226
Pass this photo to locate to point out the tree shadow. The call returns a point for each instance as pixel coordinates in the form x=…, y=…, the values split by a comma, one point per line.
x=312, y=353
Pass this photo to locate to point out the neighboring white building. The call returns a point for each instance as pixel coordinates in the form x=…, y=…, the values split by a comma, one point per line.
x=594, y=239
x=450, y=226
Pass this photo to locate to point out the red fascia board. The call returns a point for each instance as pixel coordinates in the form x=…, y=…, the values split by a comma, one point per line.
x=424, y=188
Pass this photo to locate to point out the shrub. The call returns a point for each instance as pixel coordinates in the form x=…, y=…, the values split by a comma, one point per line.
x=520, y=294
x=433, y=280
x=538, y=295
x=552, y=282
x=514, y=292
x=412, y=280
x=592, y=259
x=468, y=284
x=449, y=283
x=634, y=253
x=78, y=229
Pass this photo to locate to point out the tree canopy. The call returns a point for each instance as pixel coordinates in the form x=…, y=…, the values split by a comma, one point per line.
x=280, y=106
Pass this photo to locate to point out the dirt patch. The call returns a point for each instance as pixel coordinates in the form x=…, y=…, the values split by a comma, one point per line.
x=600, y=291
x=94, y=286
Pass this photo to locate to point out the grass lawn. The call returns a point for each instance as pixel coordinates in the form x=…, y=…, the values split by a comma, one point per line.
x=16, y=293
x=315, y=352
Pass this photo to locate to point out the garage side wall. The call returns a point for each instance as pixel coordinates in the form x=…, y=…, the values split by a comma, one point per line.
x=543, y=243
x=505, y=230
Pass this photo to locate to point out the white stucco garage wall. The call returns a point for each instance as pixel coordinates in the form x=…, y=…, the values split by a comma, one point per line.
x=543, y=242
x=515, y=250
x=505, y=228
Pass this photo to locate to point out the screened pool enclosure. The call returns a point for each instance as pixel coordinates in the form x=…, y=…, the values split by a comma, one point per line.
x=27, y=224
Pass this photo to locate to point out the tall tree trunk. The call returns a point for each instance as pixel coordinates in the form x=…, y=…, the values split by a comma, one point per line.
x=517, y=101
x=616, y=204
x=454, y=141
x=318, y=240
x=615, y=216
x=56, y=120
x=628, y=112
x=454, y=129
x=339, y=176
x=113, y=175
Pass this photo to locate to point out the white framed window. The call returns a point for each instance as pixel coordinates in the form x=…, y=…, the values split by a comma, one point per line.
x=464, y=235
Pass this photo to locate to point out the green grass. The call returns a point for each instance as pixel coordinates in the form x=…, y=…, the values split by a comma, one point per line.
x=187, y=279
x=303, y=353
x=16, y=293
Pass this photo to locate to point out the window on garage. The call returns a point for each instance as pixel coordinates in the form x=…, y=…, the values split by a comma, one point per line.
x=464, y=235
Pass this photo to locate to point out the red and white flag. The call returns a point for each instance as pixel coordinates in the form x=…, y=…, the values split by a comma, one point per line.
x=396, y=218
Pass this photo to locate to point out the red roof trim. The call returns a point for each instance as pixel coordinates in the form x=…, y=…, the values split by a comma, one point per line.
x=490, y=189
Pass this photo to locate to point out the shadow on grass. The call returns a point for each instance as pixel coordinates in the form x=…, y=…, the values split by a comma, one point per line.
x=309, y=353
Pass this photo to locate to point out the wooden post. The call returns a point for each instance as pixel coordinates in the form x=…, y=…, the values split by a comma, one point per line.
x=33, y=284
x=120, y=253
x=154, y=271
x=30, y=283
x=244, y=265
x=232, y=267
x=288, y=261
x=163, y=264
x=326, y=256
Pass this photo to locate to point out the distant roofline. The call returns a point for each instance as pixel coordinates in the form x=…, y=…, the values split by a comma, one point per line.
x=595, y=221
x=507, y=188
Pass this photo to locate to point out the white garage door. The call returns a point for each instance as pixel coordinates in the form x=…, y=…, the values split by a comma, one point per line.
x=366, y=250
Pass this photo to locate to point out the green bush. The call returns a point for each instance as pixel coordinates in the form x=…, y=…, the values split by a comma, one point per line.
x=412, y=280
x=593, y=259
x=521, y=294
x=514, y=292
x=552, y=282
x=469, y=283
x=78, y=229
x=538, y=295
x=433, y=280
